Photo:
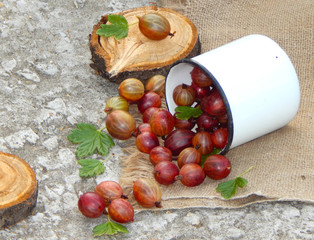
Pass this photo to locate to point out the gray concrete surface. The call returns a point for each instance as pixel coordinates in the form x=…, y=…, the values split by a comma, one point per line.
x=46, y=86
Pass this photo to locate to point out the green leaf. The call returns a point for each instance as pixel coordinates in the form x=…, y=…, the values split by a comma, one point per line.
x=186, y=112
x=91, y=167
x=241, y=182
x=109, y=228
x=215, y=151
x=118, y=28
x=90, y=140
x=229, y=188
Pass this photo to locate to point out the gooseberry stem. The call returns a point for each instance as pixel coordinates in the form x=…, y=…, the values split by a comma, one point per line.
x=246, y=171
x=102, y=129
x=132, y=24
x=104, y=160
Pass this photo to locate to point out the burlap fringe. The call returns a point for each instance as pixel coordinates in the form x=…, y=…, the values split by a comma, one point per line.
x=135, y=164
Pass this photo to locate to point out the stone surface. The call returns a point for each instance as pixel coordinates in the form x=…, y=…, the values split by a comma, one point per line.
x=47, y=86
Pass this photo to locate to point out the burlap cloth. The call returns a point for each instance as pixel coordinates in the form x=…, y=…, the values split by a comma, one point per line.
x=283, y=161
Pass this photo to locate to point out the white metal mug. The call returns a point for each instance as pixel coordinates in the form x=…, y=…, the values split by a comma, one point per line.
x=256, y=80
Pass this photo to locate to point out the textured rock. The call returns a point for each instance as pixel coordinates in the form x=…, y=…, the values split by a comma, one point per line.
x=18, y=139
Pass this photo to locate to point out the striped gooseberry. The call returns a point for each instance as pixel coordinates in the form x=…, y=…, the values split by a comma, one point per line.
x=120, y=124
x=154, y=26
x=131, y=89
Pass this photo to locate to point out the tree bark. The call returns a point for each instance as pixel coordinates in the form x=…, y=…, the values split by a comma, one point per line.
x=138, y=56
x=18, y=190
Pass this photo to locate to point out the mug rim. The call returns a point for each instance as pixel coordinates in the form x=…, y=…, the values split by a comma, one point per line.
x=216, y=84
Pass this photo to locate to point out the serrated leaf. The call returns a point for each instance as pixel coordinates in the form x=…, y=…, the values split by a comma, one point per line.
x=229, y=188
x=241, y=182
x=78, y=135
x=91, y=167
x=109, y=228
x=90, y=140
x=187, y=112
x=118, y=28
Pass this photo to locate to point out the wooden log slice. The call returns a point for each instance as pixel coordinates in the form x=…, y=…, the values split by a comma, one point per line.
x=18, y=190
x=138, y=56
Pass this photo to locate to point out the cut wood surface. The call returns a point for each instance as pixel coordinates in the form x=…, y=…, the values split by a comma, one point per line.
x=138, y=56
x=18, y=189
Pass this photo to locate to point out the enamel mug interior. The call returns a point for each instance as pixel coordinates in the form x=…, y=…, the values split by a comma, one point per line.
x=256, y=80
